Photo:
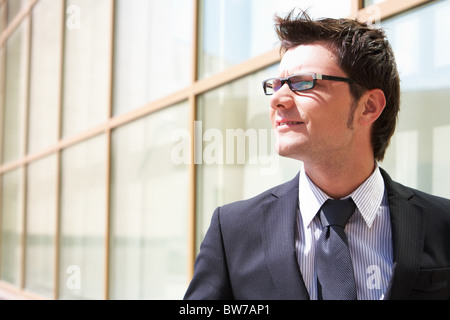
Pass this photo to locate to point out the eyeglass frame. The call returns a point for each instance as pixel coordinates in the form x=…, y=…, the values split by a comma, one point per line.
x=316, y=76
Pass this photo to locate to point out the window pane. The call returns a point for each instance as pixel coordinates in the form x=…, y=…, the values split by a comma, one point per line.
x=45, y=74
x=41, y=226
x=86, y=64
x=238, y=157
x=419, y=155
x=14, y=7
x=11, y=206
x=153, y=50
x=83, y=206
x=15, y=94
x=2, y=16
x=368, y=3
x=149, y=208
x=234, y=31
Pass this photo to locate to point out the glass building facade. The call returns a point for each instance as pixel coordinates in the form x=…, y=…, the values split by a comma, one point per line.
x=124, y=124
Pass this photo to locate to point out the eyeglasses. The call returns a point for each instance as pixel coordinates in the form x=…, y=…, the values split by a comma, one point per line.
x=298, y=82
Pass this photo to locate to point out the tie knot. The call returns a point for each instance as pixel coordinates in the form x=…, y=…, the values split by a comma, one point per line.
x=337, y=212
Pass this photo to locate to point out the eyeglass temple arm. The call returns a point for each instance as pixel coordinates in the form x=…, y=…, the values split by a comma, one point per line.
x=323, y=77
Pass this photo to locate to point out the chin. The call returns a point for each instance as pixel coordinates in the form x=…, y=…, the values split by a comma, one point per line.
x=289, y=150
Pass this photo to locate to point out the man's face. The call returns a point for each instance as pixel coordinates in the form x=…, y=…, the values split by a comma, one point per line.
x=314, y=124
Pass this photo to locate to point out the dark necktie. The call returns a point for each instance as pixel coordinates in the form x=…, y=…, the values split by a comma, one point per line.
x=335, y=275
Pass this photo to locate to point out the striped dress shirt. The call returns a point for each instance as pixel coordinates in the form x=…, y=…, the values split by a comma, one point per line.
x=368, y=231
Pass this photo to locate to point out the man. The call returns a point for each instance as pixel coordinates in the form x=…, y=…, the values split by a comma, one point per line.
x=334, y=106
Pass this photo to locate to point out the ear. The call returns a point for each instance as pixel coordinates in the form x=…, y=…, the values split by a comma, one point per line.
x=373, y=103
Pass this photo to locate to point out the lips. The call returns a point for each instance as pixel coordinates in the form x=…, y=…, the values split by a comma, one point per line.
x=281, y=123
x=289, y=122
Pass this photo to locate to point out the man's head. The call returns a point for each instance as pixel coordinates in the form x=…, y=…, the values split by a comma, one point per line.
x=362, y=54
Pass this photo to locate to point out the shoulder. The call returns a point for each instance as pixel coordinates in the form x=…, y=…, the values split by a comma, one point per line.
x=429, y=202
x=264, y=197
x=255, y=205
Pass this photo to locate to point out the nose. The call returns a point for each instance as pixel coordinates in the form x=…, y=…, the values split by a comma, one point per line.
x=283, y=98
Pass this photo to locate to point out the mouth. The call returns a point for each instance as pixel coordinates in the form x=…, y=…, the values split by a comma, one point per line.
x=281, y=124
x=288, y=123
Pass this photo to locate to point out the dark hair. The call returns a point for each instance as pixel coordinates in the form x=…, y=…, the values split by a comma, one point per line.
x=362, y=52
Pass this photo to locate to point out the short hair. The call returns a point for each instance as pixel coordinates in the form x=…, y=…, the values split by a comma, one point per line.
x=362, y=52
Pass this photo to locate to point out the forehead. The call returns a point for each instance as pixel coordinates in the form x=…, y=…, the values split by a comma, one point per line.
x=309, y=58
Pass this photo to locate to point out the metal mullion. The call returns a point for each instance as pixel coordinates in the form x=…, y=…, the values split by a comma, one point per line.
x=389, y=8
x=2, y=76
x=2, y=106
x=108, y=214
x=27, y=21
x=356, y=5
x=192, y=187
x=108, y=133
x=57, y=239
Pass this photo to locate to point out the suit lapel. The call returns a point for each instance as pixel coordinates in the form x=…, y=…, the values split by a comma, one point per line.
x=407, y=221
x=278, y=234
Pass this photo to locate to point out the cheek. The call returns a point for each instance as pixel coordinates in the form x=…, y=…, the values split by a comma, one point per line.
x=272, y=114
x=329, y=124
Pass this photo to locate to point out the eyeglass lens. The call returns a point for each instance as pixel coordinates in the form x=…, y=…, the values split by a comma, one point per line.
x=296, y=83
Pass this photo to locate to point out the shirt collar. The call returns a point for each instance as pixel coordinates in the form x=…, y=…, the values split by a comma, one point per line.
x=367, y=197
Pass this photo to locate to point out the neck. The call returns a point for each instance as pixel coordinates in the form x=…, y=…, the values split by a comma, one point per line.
x=339, y=179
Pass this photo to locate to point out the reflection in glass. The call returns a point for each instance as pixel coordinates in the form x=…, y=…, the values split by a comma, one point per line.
x=424, y=66
x=238, y=157
x=368, y=3
x=44, y=74
x=14, y=7
x=152, y=51
x=11, y=227
x=149, y=208
x=86, y=64
x=234, y=31
x=83, y=220
x=13, y=125
x=41, y=226
x=2, y=18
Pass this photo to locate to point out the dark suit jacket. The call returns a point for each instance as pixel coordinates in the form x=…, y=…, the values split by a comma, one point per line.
x=249, y=250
